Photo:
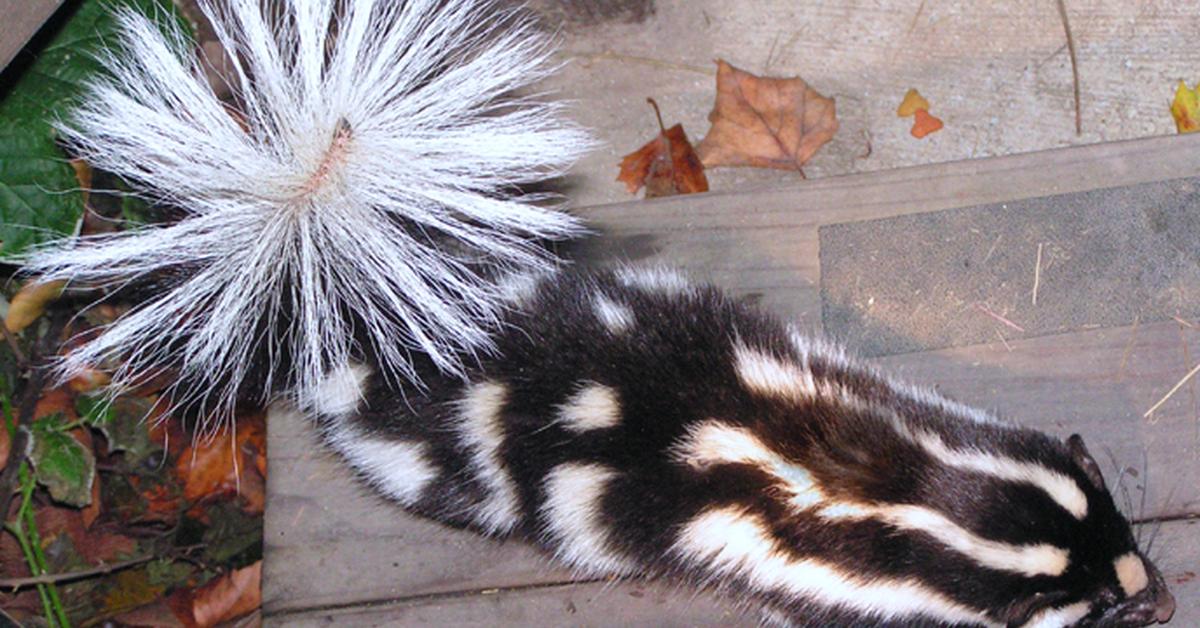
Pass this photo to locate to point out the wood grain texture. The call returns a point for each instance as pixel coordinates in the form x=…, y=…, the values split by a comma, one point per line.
x=21, y=19
x=329, y=543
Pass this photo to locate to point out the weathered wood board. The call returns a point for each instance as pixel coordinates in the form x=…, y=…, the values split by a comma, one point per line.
x=334, y=553
x=21, y=19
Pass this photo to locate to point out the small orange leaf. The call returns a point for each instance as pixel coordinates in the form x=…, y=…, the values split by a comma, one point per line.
x=29, y=303
x=912, y=103
x=666, y=165
x=924, y=124
x=765, y=122
x=1186, y=108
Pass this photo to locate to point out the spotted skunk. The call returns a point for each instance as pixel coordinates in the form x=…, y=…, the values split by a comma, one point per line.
x=355, y=229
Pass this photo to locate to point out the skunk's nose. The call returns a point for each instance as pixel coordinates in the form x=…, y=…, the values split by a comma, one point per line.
x=1164, y=605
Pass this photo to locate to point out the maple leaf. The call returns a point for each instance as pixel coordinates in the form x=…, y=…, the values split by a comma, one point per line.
x=1186, y=108
x=765, y=122
x=666, y=165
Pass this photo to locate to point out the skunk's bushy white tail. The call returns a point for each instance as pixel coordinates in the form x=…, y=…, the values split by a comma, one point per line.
x=369, y=170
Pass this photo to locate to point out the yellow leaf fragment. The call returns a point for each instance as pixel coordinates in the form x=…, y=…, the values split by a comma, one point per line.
x=912, y=103
x=1186, y=108
x=29, y=303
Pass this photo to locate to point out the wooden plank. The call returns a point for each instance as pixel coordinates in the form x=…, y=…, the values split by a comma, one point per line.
x=577, y=605
x=926, y=281
x=764, y=243
x=22, y=18
x=585, y=605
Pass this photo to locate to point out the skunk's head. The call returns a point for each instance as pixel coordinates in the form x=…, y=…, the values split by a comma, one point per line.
x=886, y=504
x=1108, y=581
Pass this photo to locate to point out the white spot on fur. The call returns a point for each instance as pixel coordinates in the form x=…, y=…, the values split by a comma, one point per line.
x=400, y=469
x=729, y=542
x=1030, y=560
x=1131, y=573
x=519, y=288
x=592, y=408
x=1059, y=487
x=481, y=430
x=616, y=317
x=713, y=442
x=1059, y=617
x=654, y=279
x=572, y=515
x=339, y=393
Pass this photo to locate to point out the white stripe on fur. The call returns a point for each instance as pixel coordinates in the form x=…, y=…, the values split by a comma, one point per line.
x=764, y=374
x=1029, y=560
x=713, y=442
x=729, y=542
x=1131, y=573
x=571, y=512
x=1059, y=617
x=653, y=279
x=481, y=430
x=592, y=408
x=1061, y=488
x=400, y=469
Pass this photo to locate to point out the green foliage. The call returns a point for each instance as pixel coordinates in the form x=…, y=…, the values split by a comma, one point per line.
x=65, y=467
x=121, y=424
x=39, y=196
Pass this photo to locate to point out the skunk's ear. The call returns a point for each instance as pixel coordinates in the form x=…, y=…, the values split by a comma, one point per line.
x=1084, y=460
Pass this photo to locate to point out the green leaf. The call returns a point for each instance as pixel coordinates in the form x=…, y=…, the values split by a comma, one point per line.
x=39, y=197
x=122, y=422
x=62, y=465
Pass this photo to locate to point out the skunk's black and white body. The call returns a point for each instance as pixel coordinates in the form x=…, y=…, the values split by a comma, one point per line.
x=635, y=425
x=342, y=231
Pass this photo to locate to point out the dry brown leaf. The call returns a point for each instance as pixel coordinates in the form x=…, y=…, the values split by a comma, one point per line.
x=29, y=303
x=666, y=165
x=5, y=446
x=224, y=598
x=765, y=122
x=223, y=464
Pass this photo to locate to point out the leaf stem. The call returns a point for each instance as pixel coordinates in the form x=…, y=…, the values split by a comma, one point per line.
x=658, y=114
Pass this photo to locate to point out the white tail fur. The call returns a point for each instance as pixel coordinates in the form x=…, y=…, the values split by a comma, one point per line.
x=364, y=127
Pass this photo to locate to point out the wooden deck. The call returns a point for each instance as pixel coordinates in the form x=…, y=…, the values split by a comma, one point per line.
x=335, y=553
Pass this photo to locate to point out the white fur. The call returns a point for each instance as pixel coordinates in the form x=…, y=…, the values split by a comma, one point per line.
x=1059, y=617
x=730, y=542
x=764, y=374
x=594, y=407
x=653, y=279
x=713, y=442
x=340, y=392
x=519, y=288
x=481, y=431
x=1131, y=573
x=1029, y=560
x=400, y=469
x=352, y=144
x=573, y=494
x=616, y=317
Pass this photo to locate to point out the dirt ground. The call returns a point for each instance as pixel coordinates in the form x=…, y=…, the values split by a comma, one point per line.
x=997, y=73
